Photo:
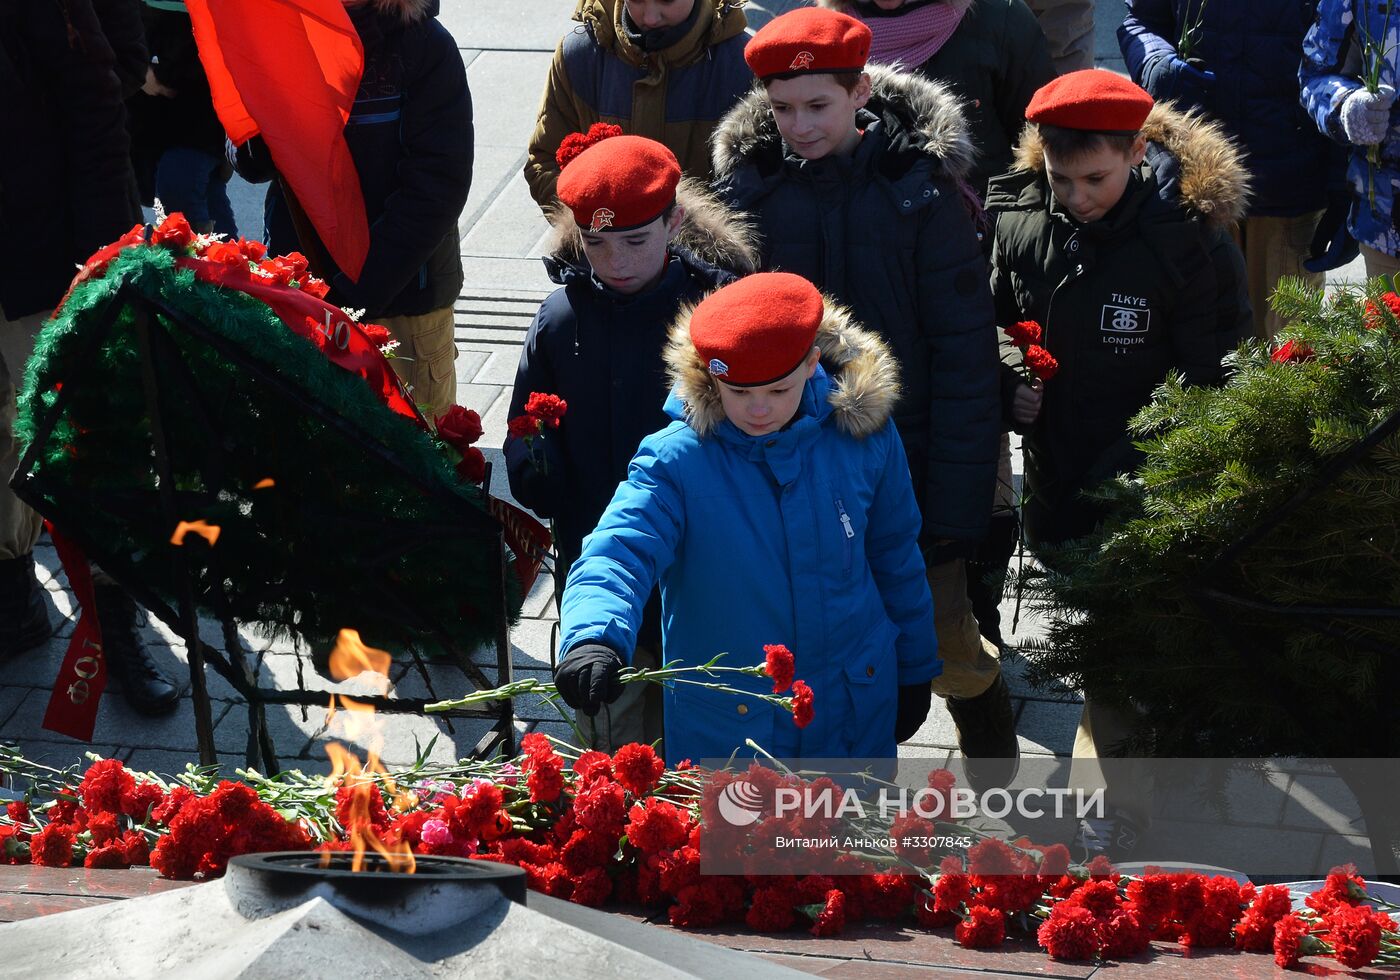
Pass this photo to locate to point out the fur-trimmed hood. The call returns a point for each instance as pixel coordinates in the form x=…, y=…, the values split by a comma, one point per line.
x=863, y=373
x=710, y=231
x=409, y=11
x=718, y=20
x=928, y=108
x=1193, y=157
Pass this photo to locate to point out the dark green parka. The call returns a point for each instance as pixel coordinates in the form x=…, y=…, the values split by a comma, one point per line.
x=887, y=232
x=1157, y=285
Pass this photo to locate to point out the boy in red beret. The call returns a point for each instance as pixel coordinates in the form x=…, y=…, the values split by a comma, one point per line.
x=1112, y=234
x=775, y=508
x=855, y=177
x=634, y=242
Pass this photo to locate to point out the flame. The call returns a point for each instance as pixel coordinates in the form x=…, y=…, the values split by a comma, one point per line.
x=209, y=532
x=351, y=658
x=264, y=483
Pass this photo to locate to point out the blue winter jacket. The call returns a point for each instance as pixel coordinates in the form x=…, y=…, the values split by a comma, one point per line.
x=1330, y=72
x=1253, y=47
x=806, y=537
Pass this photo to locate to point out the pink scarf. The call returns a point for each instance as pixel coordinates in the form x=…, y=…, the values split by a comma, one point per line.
x=908, y=40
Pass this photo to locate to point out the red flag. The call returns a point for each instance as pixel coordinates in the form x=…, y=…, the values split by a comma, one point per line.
x=289, y=69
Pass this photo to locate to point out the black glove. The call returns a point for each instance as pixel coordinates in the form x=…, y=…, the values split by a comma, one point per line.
x=1332, y=245
x=587, y=677
x=914, y=701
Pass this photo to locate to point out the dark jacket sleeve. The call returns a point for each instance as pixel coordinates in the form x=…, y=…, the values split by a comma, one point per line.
x=539, y=491
x=121, y=22
x=1143, y=39
x=957, y=321
x=1007, y=312
x=1028, y=67
x=435, y=175
x=1214, y=314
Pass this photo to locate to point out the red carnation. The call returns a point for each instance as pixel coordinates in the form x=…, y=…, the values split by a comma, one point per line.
x=1071, y=933
x=601, y=807
x=174, y=232
x=1122, y=934
x=523, y=427
x=135, y=849
x=111, y=856
x=802, y=712
x=832, y=918
x=575, y=143
x=549, y=409
x=593, y=765
x=141, y=800
x=52, y=847
x=103, y=827
x=1101, y=867
x=982, y=929
x=1291, y=940
x=771, y=910
x=1374, y=318
x=638, y=768
x=592, y=888
x=18, y=811
x=778, y=664
x=1342, y=887
x=1355, y=935
x=472, y=467
x=543, y=768
x=104, y=784
x=1041, y=362
x=1024, y=333
x=179, y=796
x=657, y=827
x=1054, y=861
x=459, y=428
x=1292, y=352
x=377, y=335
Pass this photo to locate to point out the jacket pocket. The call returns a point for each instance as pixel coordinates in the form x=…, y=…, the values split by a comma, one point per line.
x=704, y=724
x=872, y=687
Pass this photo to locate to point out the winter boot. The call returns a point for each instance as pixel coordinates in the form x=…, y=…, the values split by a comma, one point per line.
x=146, y=689
x=987, y=736
x=24, y=617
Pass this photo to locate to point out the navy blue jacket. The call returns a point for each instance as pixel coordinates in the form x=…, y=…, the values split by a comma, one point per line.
x=1254, y=48
x=601, y=352
x=411, y=137
x=887, y=232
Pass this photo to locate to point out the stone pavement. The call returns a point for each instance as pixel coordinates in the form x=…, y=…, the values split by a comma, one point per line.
x=507, y=47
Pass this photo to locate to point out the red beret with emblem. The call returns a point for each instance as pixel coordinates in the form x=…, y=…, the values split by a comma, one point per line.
x=1094, y=99
x=808, y=41
x=757, y=330
x=618, y=183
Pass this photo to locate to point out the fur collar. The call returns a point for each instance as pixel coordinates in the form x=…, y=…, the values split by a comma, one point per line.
x=929, y=108
x=1212, y=178
x=409, y=11
x=863, y=370
x=710, y=231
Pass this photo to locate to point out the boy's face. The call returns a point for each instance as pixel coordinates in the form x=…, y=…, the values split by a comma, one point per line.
x=632, y=261
x=1089, y=184
x=816, y=115
x=767, y=408
x=655, y=15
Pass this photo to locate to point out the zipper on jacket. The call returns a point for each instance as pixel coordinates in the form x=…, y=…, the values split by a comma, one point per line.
x=850, y=531
x=1074, y=274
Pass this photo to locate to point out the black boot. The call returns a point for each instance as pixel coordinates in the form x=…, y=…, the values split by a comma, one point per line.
x=24, y=616
x=145, y=688
x=987, y=736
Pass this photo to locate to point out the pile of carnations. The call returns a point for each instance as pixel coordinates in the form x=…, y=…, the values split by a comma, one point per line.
x=624, y=830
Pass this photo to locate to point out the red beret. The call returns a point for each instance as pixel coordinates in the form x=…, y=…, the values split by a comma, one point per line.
x=811, y=40
x=1094, y=99
x=619, y=183
x=757, y=330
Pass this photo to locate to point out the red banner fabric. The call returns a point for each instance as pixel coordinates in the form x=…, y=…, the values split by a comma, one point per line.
x=72, y=709
x=289, y=70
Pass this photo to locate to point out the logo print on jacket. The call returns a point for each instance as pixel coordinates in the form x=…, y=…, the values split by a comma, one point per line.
x=803, y=60
x=602, y=218
x=1124, y=321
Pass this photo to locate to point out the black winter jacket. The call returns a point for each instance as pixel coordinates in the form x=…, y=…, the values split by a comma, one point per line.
x=410, y=134
x=887, y=231
x=66, y=187
x=1157, y=285
x=601, y=352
